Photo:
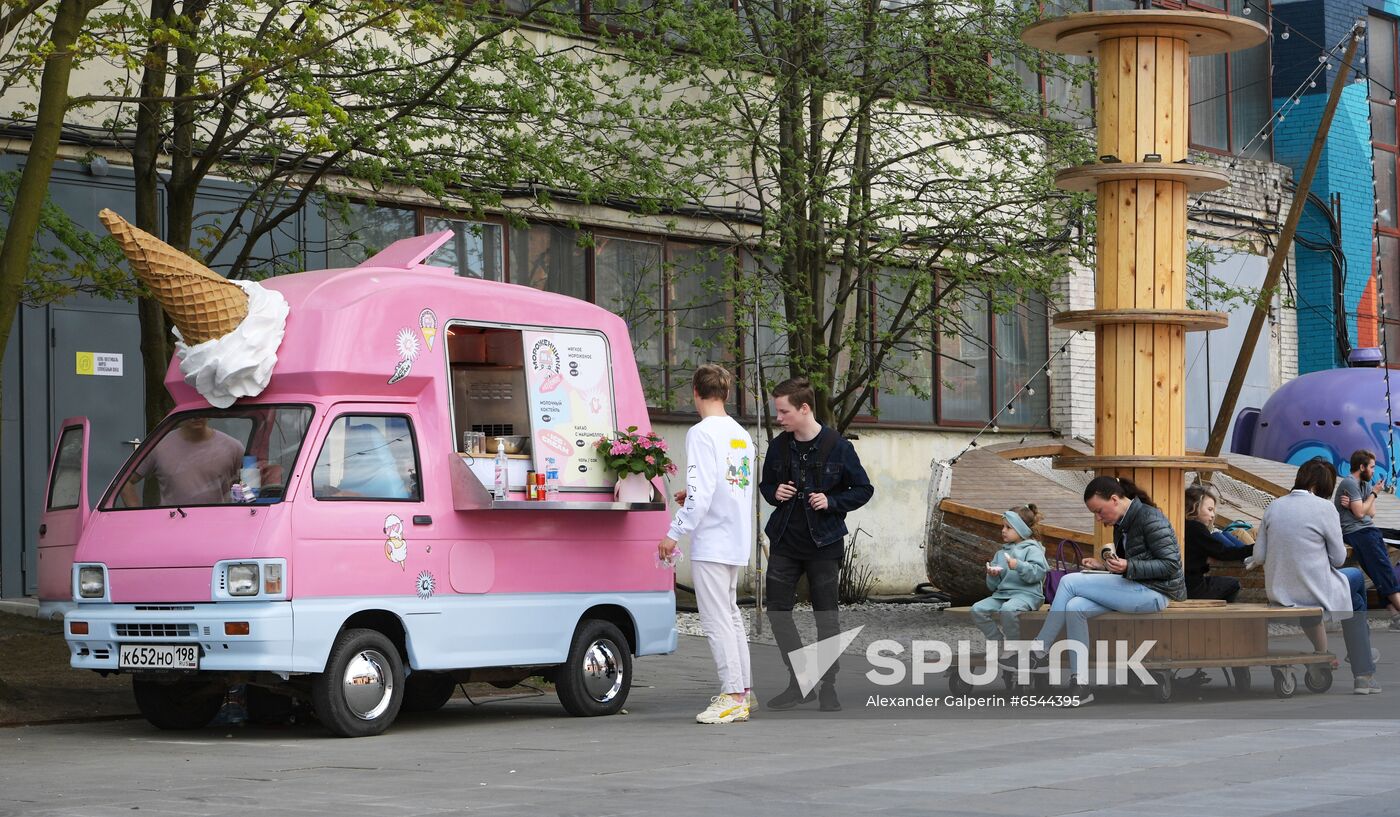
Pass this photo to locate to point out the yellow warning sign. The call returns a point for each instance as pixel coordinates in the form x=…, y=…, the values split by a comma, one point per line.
x=86, y=363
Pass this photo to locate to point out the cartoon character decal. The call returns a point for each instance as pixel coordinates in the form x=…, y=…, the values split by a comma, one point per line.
x=425, y=584
x=427, y=324
x=395, y=548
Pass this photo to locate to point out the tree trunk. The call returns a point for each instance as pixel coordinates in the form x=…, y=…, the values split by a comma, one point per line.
x=145, y=158
x=38, y=165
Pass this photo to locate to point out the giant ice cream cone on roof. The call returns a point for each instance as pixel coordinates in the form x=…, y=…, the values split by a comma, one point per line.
x=227, y=332
x=203, y=304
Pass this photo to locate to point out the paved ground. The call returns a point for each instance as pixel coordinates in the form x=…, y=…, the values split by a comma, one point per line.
x=1222, y=754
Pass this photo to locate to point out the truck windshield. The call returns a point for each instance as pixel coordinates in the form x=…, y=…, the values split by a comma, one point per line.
x=234, y=456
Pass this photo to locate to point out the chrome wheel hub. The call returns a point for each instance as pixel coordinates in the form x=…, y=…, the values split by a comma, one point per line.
x=368, y=685
x=602, y=671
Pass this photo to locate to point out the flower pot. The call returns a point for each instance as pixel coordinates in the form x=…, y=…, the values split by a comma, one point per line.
x=633, y=488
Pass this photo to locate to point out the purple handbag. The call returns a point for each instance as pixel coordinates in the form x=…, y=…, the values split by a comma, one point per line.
x=1059, y=568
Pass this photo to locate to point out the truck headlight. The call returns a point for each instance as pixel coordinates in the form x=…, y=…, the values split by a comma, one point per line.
x=92, y=582
x=243, y=580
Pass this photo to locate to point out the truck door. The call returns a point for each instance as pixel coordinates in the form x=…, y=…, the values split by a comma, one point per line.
x=362, y=523
x=65, y=513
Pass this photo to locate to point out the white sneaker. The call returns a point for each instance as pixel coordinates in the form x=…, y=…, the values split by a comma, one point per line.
x=724, y=709
x=751, y=701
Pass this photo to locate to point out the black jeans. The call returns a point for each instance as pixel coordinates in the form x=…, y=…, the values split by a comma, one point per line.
x=1222, y=588
x=780, y=587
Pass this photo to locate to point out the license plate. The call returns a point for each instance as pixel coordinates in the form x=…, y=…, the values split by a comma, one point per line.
x=158, y=656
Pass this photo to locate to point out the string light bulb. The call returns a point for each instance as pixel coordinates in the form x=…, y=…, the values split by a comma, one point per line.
x=1285, y=35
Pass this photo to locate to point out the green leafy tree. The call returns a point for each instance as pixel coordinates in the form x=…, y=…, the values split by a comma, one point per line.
x=880, y=162
x=306, y=101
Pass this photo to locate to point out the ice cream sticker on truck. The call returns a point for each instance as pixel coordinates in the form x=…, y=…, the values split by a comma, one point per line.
x=569, y=380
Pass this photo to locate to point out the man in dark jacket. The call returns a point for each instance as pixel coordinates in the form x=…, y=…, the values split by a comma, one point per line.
x=813, y=478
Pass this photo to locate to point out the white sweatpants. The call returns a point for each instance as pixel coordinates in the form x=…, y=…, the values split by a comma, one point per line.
x=715, y=588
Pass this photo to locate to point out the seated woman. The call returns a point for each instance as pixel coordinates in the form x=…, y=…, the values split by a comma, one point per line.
x=1300, y=547
x=1142, y=578
x=1202, y=544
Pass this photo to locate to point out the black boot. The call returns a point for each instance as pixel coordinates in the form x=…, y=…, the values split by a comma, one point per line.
x=790, y=697
x=827, y=698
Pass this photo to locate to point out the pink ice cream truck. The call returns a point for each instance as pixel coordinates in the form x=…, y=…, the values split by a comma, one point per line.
x=318, y=516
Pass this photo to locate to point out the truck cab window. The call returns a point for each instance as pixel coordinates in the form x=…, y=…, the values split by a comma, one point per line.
x=368, y=456
x=220, y=457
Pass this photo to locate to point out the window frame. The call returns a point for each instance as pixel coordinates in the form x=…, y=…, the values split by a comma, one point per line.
x=413, y=439
x=1386, y=323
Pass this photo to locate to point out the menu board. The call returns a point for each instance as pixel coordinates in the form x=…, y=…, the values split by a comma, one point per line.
x=569, y=379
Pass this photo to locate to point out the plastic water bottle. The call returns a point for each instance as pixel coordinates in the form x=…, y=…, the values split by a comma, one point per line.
x=502, y=469
x=251, y=478
x=551, y=483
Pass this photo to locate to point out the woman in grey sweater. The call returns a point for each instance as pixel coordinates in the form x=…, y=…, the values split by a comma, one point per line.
x=1141, y=577
x=1300, y=546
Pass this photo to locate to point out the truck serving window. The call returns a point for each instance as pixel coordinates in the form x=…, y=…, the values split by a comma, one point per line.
x=232, y=456
x=368, y=456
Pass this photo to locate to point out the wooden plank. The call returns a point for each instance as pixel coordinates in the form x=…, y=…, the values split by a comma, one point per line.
x=1162, y=376
x=1145, y=266
x=1181, y=639
x=1046, y=530
x=1165, y=242
x=1210, y=639
x=1109, y=203
x=1127, y=99
x=1181, y=98
x=1176, y=286
x=1107, y=113
x=1124, y=272
x=1144, y=431
x=1124, y=389
x=1104, y=406
x=1166, y=97
x=1146, y=88
x=1177, y=421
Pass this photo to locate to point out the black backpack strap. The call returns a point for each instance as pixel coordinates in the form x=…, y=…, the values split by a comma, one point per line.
x=826, y=443
x=780, y=453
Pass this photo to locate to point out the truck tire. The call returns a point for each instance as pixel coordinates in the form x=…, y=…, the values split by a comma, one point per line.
x=187, y=703
x=597, y=676
x=361, y=690
x=427, y=691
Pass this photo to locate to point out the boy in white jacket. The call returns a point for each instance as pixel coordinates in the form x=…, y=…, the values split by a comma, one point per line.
x=717, y=512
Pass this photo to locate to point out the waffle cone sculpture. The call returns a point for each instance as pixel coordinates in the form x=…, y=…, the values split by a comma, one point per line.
x=203, y=304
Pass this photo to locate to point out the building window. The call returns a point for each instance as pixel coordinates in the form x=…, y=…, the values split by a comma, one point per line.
x=1383, y=68
x=476, y=249
x=357, y=230
x=1230, y=93
x=548, y=257
x=987, y=362
x=628, y=282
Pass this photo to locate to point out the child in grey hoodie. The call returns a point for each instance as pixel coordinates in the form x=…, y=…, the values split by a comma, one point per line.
x=1015, y=576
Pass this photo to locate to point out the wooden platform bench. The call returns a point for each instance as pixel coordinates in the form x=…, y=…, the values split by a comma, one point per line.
x=1197, y=634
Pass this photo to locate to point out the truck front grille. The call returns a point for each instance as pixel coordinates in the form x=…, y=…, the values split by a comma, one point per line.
x=157, y=630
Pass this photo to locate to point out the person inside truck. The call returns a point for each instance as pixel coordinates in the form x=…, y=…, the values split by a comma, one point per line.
x=193, y=465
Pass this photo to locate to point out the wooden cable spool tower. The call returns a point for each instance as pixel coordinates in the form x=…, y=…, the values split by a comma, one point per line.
x=1142, y=183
